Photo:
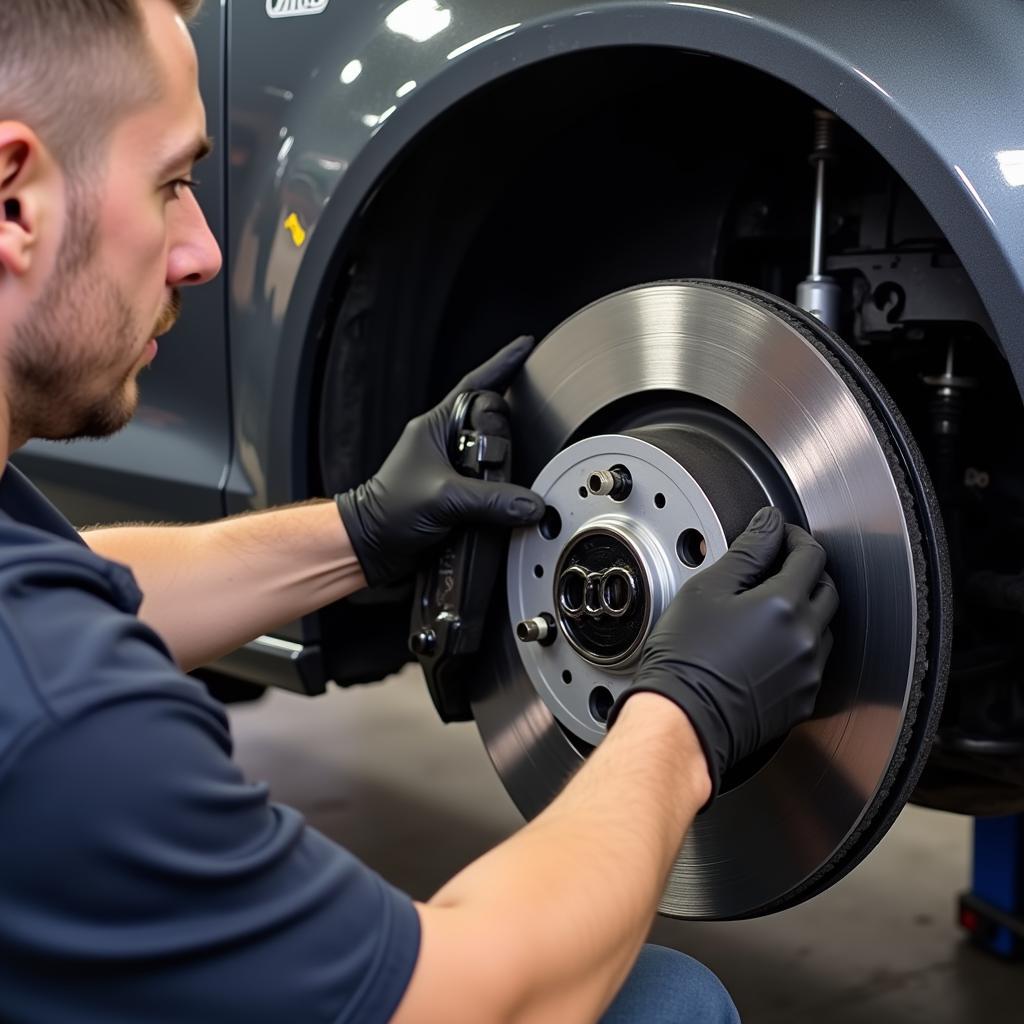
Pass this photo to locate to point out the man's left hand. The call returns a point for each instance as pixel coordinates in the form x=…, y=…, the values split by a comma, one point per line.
x=417, y=497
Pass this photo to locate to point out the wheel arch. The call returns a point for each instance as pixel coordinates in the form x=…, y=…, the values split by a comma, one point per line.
x=900, y=115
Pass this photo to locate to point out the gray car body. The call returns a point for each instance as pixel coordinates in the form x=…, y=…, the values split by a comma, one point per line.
x=935, y=87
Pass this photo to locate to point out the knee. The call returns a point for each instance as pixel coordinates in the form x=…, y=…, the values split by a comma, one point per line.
x=678, y=988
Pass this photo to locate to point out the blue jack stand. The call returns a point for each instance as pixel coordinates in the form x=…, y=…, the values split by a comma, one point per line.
x=993, y=911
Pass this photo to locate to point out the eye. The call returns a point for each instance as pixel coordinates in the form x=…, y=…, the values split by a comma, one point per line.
x=178, y=184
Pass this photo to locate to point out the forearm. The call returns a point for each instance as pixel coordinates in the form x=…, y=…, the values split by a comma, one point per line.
x=563, y=907
x=210, y=588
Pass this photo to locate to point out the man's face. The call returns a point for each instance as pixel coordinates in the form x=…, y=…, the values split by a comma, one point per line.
x=133, y=236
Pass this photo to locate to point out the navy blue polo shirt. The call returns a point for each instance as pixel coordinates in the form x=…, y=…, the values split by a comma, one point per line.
x=142, y=878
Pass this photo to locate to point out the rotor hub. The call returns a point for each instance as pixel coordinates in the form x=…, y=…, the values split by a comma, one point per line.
x=617, y=557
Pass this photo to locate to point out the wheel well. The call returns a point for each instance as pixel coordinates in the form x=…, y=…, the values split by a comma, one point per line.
x=539, y=193
x=594, y=171
x=575, y=177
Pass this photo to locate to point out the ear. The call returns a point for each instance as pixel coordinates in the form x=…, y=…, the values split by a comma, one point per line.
x=27, y=178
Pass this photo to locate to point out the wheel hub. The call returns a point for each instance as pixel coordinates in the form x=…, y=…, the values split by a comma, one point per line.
x=607, y=562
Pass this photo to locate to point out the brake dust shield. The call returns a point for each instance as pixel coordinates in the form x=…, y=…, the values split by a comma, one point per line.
x=715, y=399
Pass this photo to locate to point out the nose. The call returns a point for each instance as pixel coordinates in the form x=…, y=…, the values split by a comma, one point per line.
x=193, y=256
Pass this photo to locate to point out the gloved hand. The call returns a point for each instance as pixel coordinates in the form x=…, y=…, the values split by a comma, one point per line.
x=742, y=651
x=417, y=497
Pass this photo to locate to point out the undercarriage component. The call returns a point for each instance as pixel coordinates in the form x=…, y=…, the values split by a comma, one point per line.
x=819, y=294
x=717, y=399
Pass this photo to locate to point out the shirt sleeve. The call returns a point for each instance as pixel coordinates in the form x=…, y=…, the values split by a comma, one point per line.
x=143, y=878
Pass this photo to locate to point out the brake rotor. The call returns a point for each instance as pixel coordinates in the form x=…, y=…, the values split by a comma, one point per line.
x=655, y=422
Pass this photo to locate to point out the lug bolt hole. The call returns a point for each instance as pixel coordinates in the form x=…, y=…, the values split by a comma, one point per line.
x=551, y=525
x=601, y=701
x=692, y=548
x=659, y=500
x=566, y=677
x=538, y=571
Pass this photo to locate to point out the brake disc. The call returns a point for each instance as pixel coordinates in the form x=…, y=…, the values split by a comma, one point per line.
x=655, y=422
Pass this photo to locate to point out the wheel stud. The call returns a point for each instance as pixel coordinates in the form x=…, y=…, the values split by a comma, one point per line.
x=540, y=629
x=616, y=483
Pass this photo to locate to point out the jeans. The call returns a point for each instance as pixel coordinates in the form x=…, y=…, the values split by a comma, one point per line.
x=666, y=987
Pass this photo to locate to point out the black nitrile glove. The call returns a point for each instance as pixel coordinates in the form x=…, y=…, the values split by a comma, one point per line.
x=740, y=649
x=417, y=497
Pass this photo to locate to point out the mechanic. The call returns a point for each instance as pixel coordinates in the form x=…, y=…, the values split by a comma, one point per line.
x=142, y=877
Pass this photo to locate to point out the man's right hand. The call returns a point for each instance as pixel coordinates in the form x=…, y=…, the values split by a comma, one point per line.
x=741, y=649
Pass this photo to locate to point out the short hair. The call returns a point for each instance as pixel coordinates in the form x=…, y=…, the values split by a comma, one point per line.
x=72, y=69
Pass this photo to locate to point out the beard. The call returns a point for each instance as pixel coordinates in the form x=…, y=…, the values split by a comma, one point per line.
x=75, y=358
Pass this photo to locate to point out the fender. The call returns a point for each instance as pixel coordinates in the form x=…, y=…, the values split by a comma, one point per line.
x=313, y=130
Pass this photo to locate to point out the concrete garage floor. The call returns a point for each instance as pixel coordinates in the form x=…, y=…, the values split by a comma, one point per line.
x=374, y=769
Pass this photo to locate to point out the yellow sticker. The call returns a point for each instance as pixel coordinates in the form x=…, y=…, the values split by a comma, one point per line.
x=298, y=232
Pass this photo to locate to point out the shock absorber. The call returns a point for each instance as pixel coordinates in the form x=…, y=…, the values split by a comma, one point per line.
x=946, y=410
x=819, y=294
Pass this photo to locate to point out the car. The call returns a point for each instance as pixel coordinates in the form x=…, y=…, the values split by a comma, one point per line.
x=774, y=249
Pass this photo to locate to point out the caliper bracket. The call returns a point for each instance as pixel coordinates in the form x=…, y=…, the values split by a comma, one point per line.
x=453, y=593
